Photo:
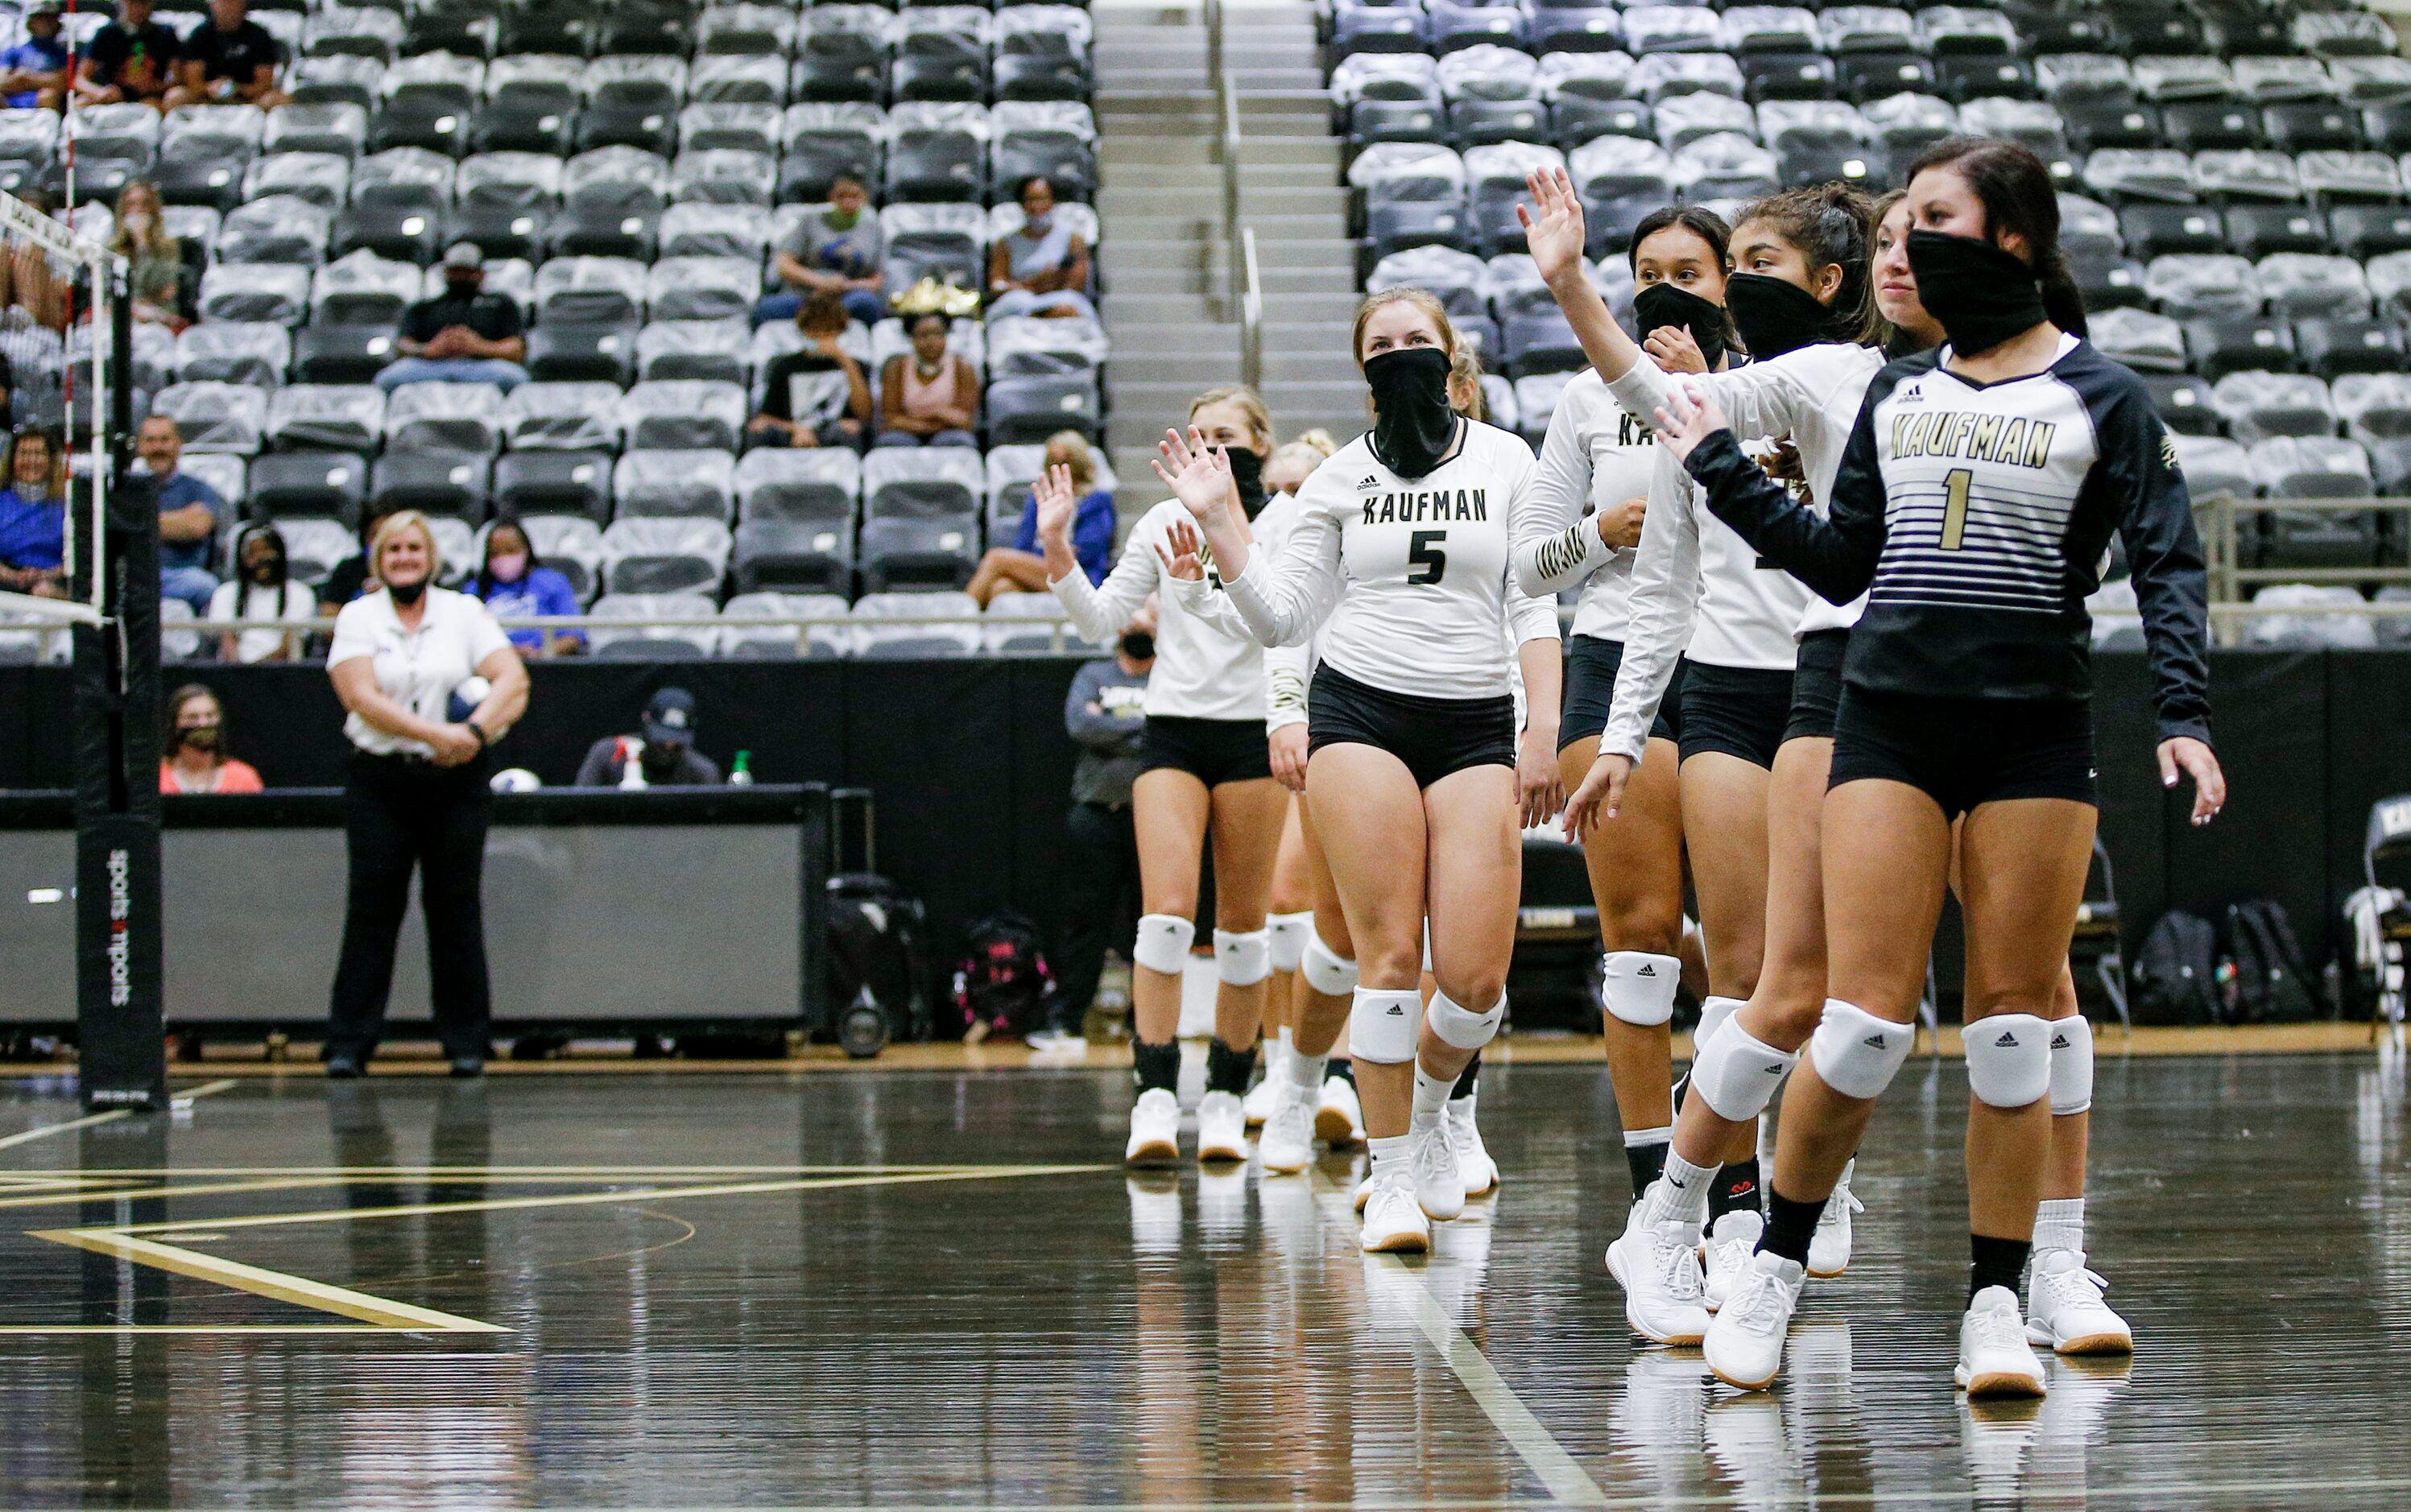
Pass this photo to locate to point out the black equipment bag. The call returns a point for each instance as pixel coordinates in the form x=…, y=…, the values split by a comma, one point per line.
x=1001, y=984
x=2261, y=966
x=2175, y=974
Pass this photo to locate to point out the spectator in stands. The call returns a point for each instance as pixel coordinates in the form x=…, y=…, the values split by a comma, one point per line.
x=463, y=335
x=1103, y=716
x=351, y=577
x=930, y=395
x=133, y=58
x=1043, y=267
x=833, y=251
x=34, y=518
x=157, y=272
x=33, y=73
x=230, y=61
x=407, y=664
x=1021, y=568
x=262, y=587
x=513, y=583
x=817, y=396
x=665, y=753
x=191, y=515
x=194, y=754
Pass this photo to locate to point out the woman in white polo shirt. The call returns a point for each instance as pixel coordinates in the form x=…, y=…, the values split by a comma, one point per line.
x=417, y=792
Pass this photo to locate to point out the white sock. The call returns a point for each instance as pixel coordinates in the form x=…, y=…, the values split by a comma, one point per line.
x=2059, y=1224
x=1389, y=1155
x=1431, y=1093
x=1307, y=1071
x=1681, y=1194
x=1463, y=1106
x=1635, y=1139
x=1286, y=1037
x=1278, y=1056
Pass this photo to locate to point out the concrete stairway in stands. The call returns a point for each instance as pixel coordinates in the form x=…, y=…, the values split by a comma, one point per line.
x=1174, y=330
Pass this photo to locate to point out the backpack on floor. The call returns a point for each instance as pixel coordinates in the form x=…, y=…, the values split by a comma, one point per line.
x=2261, y=966
x=878, y=965
x=2175, y=973
x=1001, y=984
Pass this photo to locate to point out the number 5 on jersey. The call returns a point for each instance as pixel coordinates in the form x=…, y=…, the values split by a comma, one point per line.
x=1431, y=563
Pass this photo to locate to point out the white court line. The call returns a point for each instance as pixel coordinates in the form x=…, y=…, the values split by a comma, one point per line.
x=1566, y=1482
x=181, y=1099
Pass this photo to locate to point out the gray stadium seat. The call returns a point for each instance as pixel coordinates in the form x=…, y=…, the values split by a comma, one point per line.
x=657, y=555
x=682, y=483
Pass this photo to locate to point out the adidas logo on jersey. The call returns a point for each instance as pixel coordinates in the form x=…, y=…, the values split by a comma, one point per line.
x=1368, y=481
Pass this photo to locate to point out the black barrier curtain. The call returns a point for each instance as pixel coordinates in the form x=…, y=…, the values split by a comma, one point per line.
x=972, y=769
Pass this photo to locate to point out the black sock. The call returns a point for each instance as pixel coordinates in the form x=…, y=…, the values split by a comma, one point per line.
x=1156, y=1066
x=1468, y=1079
x=1789, y=1225
x=1228, y=1069
x=1735, y=1189
x=1338, y=1065
x=1995, y=1262
x=1648, y=1161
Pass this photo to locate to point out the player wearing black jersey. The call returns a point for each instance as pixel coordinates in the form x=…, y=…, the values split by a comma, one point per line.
x=1973, y=505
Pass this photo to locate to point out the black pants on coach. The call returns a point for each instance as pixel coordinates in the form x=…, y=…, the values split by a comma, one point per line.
x=400, y=815
x=1101, y=903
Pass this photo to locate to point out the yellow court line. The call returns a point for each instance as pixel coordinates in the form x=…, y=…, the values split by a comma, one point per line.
x=646, y=1173
x=23, y=1330
x=274, y=1284
x=181, y=1099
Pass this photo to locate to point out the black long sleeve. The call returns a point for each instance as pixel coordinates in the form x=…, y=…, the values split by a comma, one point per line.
x=1835, y=554
x=2154, y=515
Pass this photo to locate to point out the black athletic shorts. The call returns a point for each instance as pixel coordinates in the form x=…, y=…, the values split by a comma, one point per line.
x=1740, y=711
x=1817, y=684
x=1434, y=736
x=1214, y=751
x=1590, y=692
x=1966, y=751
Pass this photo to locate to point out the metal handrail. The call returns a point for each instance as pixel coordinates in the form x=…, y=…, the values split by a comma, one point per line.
x=1228, y=99
x=1251, y=315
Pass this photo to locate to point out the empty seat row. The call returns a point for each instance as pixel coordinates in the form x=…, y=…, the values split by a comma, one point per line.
x=2212, y=347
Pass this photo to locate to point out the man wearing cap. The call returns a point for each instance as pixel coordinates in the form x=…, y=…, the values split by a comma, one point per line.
x=33, y=73
x=230, y=61
x=463, y=335
x=664, y=756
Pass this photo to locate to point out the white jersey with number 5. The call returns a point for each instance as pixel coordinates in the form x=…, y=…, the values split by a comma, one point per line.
x=1413, y=572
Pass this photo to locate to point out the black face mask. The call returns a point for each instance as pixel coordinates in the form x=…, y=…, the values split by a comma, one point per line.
x=1981, y=293
x=268, y=569
x=407, y=593
x=1774, y=315
x=1412, y=422
x=199, y=736
x=1247, y=476
x=1139, y=645
x=1660, y=305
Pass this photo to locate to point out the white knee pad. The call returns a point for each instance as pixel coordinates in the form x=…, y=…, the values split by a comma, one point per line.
x=1460, y=1025
x=1288, y=932
x=2071, y=1065
x=1737, y=1073
x=1163, y=941
x=1326, y=970
x=1636, y=987
x=2009, y=1059
x=1383, y=1025
x=1856, y=1053
x=1714, y=1011
x=1242, y=960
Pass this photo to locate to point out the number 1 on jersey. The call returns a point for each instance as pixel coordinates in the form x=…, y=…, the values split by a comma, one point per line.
x=1954, y=507
x=1430, y=562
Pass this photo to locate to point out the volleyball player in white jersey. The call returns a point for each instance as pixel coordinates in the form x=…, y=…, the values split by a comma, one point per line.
x=1974, y=504
x=1415, y=775
x=1594, y=469
x=1205, y=775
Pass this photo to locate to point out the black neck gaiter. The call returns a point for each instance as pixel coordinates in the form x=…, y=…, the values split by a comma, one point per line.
x=1413, y=424
x=1247, y=476
x=1982, y=295
x=1662, y=304
x=407, y=593
x=1775, y=315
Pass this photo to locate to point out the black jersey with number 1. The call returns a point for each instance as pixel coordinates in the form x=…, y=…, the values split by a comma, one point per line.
x=1974, y=515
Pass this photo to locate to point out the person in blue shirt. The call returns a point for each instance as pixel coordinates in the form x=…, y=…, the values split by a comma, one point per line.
x=34, y=518
x=191, y=515
x=33, y=73
x=1021, y=568
x=512, y=582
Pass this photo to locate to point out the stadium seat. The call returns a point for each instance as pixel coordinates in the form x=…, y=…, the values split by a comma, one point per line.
x=652, y=554
x=554, y=483
x=433, y=483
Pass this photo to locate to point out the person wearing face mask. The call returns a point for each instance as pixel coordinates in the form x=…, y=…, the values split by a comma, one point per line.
x=513, y=584
x=662, y=752
x=1800, y=299
x=160, y=279
x=414, y=791
x=1021, y=568
x=196, y=745
x=834, y=251
x=930, y=396
x=462, y=335
x=1416, y=776
x=34, y=518
x=1041, y=268
x=262, y=587
x=1973, y=508
x=1287, y=469
x=1206, y=778
x=1105, y=715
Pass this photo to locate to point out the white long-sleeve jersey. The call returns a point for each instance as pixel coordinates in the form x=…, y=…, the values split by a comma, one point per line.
x=1596, y=457
x=1698, y=589
x=1202, y=670
x=1413, y=574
